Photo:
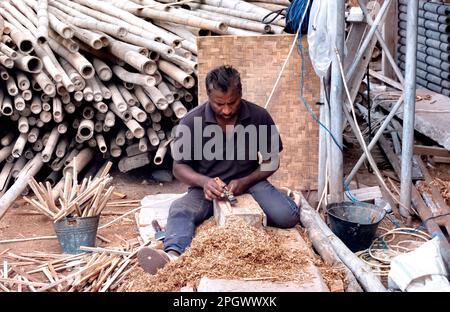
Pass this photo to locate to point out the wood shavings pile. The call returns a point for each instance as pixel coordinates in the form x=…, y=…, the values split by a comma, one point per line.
x=444, y=187
x=235, y=251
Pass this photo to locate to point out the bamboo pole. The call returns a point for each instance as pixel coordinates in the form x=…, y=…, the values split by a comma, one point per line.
x=135, y=78
x=176, y=73
x=237, y=13
x=184, y=17
x=233, y=21
x=360, y=270
x=29, y=171
x=131, y=19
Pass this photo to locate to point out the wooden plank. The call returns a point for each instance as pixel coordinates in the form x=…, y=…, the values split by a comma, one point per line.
x=442, y=160
x=353, y=42
x=367, y=193
x=354, y=82
x=390, y=35
x=385, y=79
x=431, y=151
x=442, y=209
x=105, y=250
x=246, y=208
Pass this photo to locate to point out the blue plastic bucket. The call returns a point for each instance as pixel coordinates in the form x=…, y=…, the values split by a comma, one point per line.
x=355, y=223
x=75, y=232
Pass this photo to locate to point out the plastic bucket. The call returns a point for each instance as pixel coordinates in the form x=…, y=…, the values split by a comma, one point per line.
x=355, y=223
x=75, y=232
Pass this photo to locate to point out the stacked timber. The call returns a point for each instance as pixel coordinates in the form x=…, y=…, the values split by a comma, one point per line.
x=433, y=49
x=102, y=78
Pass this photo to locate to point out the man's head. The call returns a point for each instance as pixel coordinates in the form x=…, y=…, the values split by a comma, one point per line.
x=224, y=89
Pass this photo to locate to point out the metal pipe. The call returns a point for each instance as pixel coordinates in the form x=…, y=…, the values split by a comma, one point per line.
x=336, y=106
x=409, y=91
x=322, y=144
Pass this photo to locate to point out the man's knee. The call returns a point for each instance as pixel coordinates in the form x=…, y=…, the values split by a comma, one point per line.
x=181, y=208
x=191, y=206
x=281, y=211
x=261, y=187
x=284, y=221
x=283, y=215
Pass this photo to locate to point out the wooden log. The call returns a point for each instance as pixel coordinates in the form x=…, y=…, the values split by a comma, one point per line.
x=431, y=151
x=360, y=270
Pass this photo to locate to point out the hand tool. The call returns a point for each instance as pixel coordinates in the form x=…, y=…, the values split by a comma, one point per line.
x=227, y=194
x=159, y=233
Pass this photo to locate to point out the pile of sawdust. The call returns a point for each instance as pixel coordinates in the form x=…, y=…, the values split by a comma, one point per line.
x=235, y=251
x=444, y=187
x=330, y=274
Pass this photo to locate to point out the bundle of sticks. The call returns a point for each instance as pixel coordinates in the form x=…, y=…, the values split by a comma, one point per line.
x=102, y=270
x=87, y=199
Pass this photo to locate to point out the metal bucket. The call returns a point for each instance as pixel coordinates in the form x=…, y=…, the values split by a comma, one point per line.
x=355, y=223
x=75, y=232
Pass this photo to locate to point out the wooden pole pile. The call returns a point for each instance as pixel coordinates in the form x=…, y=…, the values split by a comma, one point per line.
x=102, y=270
x=109, y=78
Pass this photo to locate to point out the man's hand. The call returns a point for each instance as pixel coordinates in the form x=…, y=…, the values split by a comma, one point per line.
x=212, y=190
x=238, y=186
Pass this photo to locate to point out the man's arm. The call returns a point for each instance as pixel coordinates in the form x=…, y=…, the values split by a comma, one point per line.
x=239, y=186
x=189, y=176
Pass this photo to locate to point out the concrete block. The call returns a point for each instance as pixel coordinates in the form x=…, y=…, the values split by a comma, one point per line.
x=246, y=208
x=129, y=163
x=133, y=150
x=222, y=285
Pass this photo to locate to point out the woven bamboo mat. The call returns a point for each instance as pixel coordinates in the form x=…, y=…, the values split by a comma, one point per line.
x=259, y=60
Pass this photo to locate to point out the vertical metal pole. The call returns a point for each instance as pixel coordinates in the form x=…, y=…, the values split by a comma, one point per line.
x=409, y=90
x=322, y=144
x=336, y=109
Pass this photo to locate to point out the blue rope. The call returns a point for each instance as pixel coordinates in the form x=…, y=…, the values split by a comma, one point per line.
x=295, y=16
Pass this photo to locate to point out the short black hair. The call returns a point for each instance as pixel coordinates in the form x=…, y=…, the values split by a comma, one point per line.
x=222, y=78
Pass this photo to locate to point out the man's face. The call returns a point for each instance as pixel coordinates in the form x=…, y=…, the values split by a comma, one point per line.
x=225, y=104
